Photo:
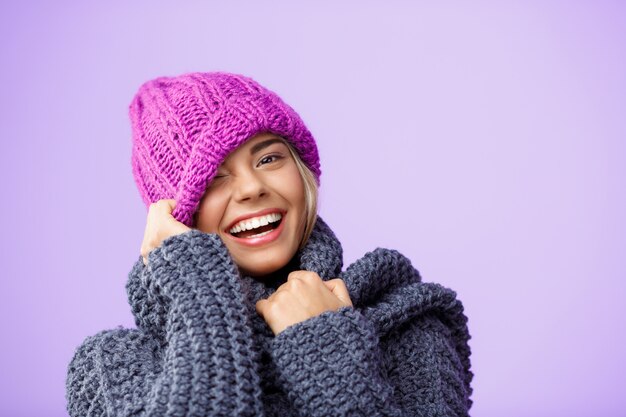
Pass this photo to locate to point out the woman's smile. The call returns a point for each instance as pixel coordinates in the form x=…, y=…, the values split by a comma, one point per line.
x=258, y=228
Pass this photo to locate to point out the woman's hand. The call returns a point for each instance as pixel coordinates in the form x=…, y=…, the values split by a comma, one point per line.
x=303, y=296
x=159, y=226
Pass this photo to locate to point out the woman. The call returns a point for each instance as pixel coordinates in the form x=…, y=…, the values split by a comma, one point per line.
x=240, y=301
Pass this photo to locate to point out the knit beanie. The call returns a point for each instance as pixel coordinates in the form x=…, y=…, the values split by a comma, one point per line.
x=184, y=127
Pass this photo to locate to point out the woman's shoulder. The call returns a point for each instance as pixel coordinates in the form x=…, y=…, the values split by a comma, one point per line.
x=106, y=364
x=389, y=290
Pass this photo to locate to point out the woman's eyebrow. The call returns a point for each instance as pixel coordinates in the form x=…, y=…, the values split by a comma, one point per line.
x=262, y=145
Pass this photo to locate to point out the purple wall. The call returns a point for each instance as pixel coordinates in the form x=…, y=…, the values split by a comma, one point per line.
x=486, y=142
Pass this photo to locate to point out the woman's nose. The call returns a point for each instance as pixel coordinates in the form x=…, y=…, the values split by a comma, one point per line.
x=249, y=186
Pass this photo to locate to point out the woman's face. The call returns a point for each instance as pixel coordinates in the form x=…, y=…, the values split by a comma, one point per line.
x=258, y=184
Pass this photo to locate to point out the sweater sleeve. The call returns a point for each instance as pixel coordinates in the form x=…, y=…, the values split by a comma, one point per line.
x=335, y=365
x=203, y=366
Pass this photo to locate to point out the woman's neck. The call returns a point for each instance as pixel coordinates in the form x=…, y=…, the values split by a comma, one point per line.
x=277, y=278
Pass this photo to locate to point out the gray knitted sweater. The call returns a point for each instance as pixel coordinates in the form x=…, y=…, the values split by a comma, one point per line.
x=201, y=349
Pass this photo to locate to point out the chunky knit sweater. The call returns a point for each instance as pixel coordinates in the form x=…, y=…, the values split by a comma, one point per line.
x=201, y=349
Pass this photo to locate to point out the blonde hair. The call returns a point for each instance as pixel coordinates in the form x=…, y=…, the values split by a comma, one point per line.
x=310, y=194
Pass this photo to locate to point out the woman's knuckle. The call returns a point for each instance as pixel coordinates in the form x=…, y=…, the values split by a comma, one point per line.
x=311, y=276
x=270, y=308
x=293, y=274
x=296, y=283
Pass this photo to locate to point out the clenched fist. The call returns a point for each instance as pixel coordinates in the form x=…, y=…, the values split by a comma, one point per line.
x=303, y=296
x=160, y=225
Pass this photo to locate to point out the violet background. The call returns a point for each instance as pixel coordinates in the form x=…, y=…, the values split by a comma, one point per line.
x=484, y=140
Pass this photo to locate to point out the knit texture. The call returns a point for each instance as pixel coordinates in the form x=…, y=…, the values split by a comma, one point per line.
x=184, y=127
x=200, y=348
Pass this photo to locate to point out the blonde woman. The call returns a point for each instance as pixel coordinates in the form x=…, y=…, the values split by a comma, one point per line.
x=241, y=304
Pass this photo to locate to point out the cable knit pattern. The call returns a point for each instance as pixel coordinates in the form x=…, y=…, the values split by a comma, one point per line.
x=200, y=348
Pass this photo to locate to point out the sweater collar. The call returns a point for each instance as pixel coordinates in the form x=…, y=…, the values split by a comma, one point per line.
x=321, y=254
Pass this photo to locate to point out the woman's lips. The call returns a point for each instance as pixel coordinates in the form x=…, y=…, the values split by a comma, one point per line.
x=252, y=215
x=262, y=240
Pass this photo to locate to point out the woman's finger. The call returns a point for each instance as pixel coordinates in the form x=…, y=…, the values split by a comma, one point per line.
x=171, y=204
x=260, y=306
x=339, y=289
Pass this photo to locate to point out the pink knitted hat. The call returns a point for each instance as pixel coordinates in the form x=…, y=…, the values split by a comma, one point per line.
x=184, y=127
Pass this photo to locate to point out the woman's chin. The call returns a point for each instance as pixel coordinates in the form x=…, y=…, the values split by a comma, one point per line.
x=265, y=259
x=262, y=268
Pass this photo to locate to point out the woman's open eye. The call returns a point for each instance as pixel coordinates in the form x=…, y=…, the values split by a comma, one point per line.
x=269, y=158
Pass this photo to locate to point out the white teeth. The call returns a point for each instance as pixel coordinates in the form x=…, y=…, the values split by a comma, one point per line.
x=259, y=235
x=255, y=222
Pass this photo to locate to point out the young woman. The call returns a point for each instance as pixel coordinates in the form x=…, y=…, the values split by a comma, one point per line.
x=240, y=301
